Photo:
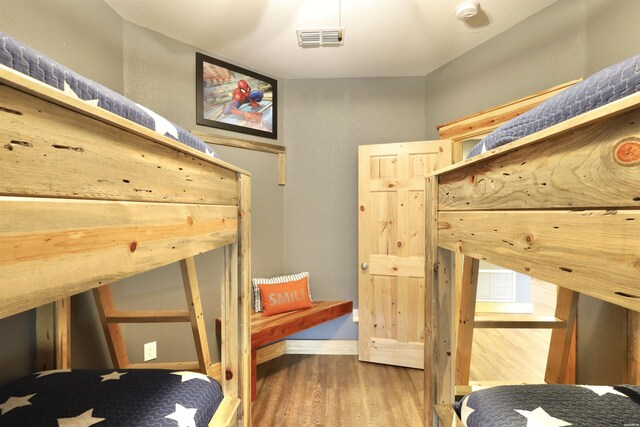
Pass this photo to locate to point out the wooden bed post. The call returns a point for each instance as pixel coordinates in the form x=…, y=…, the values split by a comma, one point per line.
x=466, y=318
x=244, y=269
x=53, y=335
x=633, y=347
x=439, y=360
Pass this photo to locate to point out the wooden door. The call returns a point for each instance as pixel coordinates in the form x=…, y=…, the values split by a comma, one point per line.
x=391, y=248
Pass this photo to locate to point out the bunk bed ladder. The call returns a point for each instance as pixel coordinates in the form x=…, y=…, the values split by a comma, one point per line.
x=561, y=357
x=111, y=319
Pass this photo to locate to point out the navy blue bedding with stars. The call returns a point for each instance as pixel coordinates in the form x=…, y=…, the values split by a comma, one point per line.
x=19, y=57
x=123, y=397
x=552, y=405
x=603, y=87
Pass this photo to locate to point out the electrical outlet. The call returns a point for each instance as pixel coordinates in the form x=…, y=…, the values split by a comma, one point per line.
x=356, y=317
x=150, y=351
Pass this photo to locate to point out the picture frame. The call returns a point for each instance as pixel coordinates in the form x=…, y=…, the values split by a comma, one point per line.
x=236, y=99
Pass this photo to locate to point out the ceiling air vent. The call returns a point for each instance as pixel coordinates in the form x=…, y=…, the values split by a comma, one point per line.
x=330, y=37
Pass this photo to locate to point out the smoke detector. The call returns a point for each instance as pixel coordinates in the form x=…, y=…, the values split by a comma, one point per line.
x=326, y=37
x=467, y=9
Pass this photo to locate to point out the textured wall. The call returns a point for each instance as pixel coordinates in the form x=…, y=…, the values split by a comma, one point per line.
x=326, y=120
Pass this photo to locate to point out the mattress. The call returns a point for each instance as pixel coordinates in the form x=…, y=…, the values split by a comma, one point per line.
x=19, y=57
x=551, y=405
x=134, y=397
x=603, y=87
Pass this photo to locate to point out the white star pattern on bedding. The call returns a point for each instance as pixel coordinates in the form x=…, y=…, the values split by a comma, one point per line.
x=85, y=419
x=162, y=125
x=51, y=372
x=184, y=416
x=115, y=375
x=15, y=402
x=73, y=94
x=539, y=418
x=466, y=410
x=188, y=375
x=601, y=390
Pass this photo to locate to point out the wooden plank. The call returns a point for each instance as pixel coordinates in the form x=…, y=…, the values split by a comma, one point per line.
x=444, y=360
x=246, y=144
x=270, y=352
x=227, y=413
x=560, y=343
x=566, y=172
x=392, y=352
x=45, y=338
x=31, y=86
x=56, y=152
x=633, y=348
x=63, y=247
x=112, y=331
x=230, y=325
x=603, y=114
x=389, y=265
x=519, y=321
x=265, y=330
x=244, y=283
x=174, y=366
x=573, y=249
x=192, y=292
x=448, y=416
x=466, y=318
x=63, y=333
x=149, y=316
x=481, y=123
x=431, y=383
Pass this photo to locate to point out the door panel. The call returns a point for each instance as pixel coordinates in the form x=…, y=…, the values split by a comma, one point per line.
x=391, y=181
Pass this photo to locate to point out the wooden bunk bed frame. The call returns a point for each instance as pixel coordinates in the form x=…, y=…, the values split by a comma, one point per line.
x=88, y=198
x=561, y=205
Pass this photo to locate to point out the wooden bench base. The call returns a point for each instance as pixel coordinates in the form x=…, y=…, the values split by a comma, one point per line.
x=265, y=330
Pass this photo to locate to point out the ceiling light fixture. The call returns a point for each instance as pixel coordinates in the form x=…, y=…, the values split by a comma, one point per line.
x=467, y=9
x=323, y=37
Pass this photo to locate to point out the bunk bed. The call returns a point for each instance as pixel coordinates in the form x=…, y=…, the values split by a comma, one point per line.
x=560, y=204
x=88, y=197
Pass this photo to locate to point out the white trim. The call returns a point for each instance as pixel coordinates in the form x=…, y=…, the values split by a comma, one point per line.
x=344, y=347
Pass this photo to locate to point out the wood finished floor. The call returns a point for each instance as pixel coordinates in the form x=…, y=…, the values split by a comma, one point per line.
x=304, y=390
x=308, y=390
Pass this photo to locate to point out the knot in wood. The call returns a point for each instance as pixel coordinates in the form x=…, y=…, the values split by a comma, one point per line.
x=627, y=152
x=528, y=238
x=190, y=220
x=228, y=375
x=133, y=246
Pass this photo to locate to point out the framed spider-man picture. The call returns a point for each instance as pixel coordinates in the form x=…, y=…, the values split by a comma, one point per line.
x=233, y=98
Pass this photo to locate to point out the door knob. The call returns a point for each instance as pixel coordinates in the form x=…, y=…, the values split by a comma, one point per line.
x=364, y=266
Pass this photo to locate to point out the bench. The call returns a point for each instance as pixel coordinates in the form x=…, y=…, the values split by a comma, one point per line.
x=266, y=330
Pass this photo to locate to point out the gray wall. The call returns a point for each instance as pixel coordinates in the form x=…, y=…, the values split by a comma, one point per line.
x=326, y=120
x=570, y=39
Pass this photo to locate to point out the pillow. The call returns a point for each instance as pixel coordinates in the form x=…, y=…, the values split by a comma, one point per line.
x=286, y=296
x=257, y=300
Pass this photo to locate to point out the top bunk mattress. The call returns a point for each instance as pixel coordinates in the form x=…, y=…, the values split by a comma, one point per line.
x=603, y=87
x=15, y=55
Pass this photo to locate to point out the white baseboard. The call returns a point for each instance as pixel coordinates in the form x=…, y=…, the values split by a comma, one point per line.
x=344, y=347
